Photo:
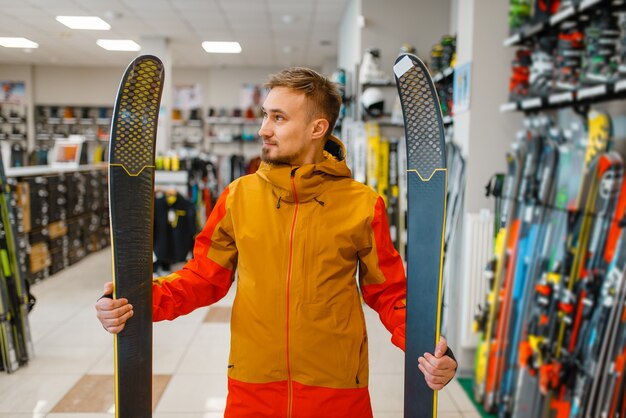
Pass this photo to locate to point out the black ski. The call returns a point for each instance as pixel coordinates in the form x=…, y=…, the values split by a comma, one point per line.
x=131, y=196
x=427, y=188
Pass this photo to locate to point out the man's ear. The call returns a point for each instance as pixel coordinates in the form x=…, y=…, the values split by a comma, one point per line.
x=320, y=128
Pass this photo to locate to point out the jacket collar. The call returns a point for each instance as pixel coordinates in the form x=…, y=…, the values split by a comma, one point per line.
x=309, y=179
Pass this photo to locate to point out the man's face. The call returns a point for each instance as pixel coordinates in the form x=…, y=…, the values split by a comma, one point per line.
x=286, y=130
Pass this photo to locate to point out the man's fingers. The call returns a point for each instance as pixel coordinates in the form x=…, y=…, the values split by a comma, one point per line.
x=433, y=382
x=108, y=288
x=442, y=347
x=433, y=370
x=110, y=304
x=116, y=313
x=445, y=363
x=115, y=325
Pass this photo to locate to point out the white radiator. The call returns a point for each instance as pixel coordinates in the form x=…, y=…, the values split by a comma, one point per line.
x=478, y=250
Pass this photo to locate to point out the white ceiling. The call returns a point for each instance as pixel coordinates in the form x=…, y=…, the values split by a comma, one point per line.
x=256, y=24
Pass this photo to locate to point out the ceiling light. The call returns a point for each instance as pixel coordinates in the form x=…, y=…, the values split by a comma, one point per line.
x=118, y=44
x=287, y=19
x=18, y=43
x=84, y=22
x=221, y=47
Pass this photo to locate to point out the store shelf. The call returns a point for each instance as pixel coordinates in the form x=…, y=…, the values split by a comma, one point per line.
x=233, y=121
x=221, y=141
x=446, y=73
x=39, y=170
x=379, y=84
x=582, y=96
x=87, y=121
x=528, y=32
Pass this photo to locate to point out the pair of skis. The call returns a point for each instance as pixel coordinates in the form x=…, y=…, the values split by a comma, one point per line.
x=131, y=178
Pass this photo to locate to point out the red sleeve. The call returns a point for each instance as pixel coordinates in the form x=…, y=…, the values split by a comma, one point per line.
x=206, y=278
x=382, y=277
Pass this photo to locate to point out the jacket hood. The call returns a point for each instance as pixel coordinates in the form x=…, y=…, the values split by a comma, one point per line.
x=309, y=178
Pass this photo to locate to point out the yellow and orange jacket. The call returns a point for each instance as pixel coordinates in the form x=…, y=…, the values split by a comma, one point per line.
x=295, y=236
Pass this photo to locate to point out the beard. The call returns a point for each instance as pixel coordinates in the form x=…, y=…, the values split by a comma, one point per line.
x=278, y=160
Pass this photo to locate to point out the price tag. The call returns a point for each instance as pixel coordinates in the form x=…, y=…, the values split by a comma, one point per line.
x=592, y=91
x=561, y=98
x=531, y=103
x=508, y=107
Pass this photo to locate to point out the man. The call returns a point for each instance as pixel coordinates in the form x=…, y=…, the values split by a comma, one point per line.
x=295, y=232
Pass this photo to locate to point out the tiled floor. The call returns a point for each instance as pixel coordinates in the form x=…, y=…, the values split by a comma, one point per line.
x=74, y=356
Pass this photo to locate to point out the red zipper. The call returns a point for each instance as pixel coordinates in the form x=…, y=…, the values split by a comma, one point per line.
x=289, y=266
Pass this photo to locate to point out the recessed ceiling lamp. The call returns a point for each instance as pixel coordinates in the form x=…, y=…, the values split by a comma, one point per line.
x=84, y=22
x=18, y=43
x=118, y=44
x=221, y=47
x=287, y=19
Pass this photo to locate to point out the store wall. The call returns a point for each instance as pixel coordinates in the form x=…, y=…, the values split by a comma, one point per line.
x=79, y=86
x=349, y=50
x=418, y=22
x=483, y=131
x=98, y=86
x=224, y=84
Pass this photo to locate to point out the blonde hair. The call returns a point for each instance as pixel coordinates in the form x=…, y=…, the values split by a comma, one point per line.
x=322, y=93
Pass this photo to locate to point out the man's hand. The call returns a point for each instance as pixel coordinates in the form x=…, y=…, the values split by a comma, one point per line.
x=113, y=313
x=438, y=370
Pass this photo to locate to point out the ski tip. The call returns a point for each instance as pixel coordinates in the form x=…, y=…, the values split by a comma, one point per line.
x=405, y=62
x=148, y=57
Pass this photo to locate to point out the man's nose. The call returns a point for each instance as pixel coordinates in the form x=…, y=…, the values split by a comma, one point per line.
x=265, y=131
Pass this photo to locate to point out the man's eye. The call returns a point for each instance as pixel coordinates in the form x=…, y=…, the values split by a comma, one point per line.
x=279, y=117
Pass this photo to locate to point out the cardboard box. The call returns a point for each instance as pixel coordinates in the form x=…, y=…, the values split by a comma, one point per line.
x=23, y=201
x=57, y=229
x=39, y=257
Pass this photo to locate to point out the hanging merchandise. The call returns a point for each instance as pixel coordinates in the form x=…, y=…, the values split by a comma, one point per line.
x=373, y=101
x=174, y=229
x=621, y=45
x=600, y=61
x=519, y=13
x=519, y=82
x=339, y=78
x=543, y=9
x=569, y=52
x=370, y=71
x=542, y=67
x=203, y=186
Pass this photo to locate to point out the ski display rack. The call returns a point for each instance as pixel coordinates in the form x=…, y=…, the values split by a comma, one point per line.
x=13, y=122
x=581, y=98
x=528, y=32
x=62, y=216
x=438, y=78
x=60, y=121
x=553, y=324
